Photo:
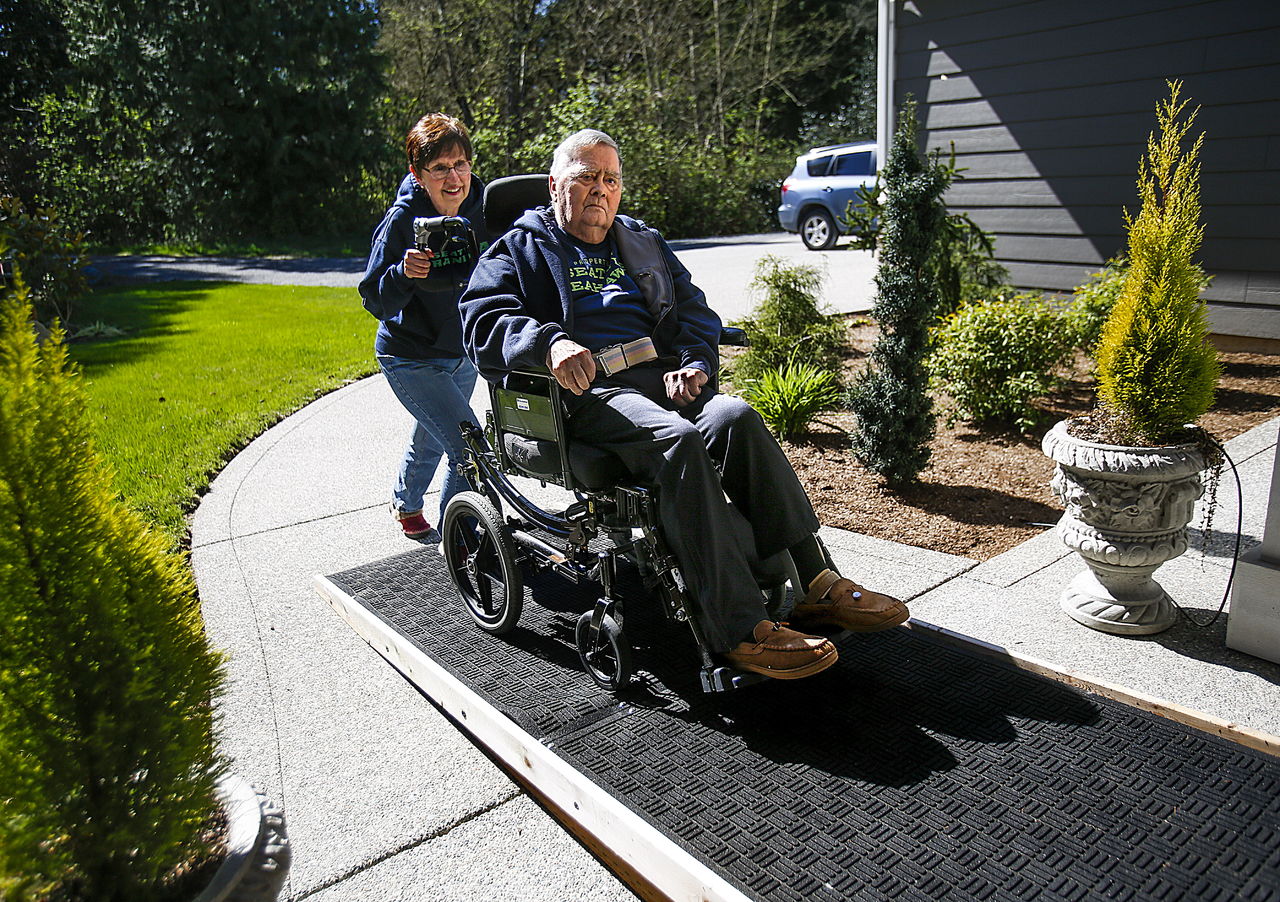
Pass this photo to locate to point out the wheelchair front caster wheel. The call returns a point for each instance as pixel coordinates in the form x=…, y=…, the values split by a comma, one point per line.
x=608, y=659
x=481, y=558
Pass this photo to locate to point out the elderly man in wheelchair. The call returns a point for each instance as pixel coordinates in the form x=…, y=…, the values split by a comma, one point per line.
x=604, y=358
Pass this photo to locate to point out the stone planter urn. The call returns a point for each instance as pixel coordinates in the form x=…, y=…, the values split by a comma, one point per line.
x=1127, y=511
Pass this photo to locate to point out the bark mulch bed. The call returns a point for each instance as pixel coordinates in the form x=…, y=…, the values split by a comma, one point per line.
x=986, y=488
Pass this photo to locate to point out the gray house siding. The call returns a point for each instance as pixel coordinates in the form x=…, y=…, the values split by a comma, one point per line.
x=1049, y=104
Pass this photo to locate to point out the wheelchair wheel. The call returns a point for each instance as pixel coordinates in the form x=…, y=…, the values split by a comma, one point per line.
x=608, y=660
x=482, y=562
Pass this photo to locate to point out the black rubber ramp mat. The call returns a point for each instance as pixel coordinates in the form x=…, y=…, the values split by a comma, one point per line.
x=909, y=771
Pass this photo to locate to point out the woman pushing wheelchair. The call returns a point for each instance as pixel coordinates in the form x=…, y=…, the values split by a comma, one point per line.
x=601, y=300
x=414, y=292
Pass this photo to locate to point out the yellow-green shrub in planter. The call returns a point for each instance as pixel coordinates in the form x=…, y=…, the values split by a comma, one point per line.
x=1129, y=474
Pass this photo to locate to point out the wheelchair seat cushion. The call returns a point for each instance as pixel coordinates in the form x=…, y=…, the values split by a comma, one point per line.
x=593, y=467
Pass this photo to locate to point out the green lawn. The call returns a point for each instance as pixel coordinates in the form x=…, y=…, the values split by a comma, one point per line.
x=202, y=369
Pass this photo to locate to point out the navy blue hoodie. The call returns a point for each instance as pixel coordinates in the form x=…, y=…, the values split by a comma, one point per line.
x=419, y=317
x=518, y=302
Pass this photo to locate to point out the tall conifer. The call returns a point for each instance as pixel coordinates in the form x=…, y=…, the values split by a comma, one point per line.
x=1156, y=367
x=895, y=414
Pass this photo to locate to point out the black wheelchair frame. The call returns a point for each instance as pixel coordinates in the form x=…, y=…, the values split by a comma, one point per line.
x=525, y=436
x=484, y=550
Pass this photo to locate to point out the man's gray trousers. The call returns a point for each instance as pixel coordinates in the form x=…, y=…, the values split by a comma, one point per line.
x=692, y=457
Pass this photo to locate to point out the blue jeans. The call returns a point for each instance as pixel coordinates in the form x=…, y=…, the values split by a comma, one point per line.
x=438, y=394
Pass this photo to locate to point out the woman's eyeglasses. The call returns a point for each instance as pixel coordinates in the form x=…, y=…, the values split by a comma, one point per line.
x=440, y=172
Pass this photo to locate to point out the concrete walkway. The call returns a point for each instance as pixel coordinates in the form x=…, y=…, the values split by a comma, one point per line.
x=384, y=799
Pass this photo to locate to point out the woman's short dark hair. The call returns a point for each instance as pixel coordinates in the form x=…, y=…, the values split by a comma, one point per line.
x=434, y=134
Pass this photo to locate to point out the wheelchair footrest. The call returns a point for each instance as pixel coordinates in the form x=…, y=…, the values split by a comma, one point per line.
x=726, y=679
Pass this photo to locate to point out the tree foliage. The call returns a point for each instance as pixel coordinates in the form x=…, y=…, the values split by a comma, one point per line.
x=1156, y=367
x=170, y=121
x=894, y=411
x=707, y=98
x=150, y=120
x=963, y=264
x=49, y=257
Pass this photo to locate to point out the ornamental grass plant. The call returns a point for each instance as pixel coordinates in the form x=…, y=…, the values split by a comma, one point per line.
x=790, y=396
x=108, y=761
x=1157, y=371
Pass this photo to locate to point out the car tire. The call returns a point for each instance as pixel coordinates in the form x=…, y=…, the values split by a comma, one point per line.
x=818, y=230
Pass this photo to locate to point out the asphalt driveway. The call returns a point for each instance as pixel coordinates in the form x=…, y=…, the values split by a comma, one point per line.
x=722, y=267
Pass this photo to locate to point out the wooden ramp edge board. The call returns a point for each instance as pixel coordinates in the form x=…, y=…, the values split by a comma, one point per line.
x=609, y=827
x=1199, y=720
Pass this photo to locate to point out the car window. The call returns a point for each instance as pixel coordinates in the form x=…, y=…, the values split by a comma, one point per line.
x=853, y=164
x=818, y=166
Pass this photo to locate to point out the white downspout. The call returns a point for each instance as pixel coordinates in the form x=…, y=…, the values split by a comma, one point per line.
x=885, y=73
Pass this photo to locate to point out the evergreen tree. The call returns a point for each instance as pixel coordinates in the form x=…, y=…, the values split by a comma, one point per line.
x=107, y=757
x=203, y=119
x=1156, y=367
x=33, y=60
x=895, y=414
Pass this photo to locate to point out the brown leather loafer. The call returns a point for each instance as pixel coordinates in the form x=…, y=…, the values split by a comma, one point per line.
x=834, y=601
x=782, y=653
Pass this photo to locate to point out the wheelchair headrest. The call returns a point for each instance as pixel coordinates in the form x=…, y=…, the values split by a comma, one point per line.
x=506, y=200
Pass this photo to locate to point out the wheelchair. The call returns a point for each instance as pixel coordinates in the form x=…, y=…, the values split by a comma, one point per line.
x=491, y=533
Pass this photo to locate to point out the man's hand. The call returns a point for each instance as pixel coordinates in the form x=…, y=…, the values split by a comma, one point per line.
x=684, y=385
x=572, y=365
x=417, y=264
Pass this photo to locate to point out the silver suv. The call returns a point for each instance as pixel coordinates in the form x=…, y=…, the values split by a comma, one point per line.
x=819, y=189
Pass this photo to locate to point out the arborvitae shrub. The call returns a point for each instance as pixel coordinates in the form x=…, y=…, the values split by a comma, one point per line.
x=107, y=755
x=788, y=323
x=1156, y=368
x=895, y=414
x=963, y=264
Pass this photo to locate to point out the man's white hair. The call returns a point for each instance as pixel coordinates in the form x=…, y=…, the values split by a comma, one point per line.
x=570, y=148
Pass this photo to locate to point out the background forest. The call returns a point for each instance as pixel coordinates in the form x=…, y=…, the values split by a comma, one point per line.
x=215, y=124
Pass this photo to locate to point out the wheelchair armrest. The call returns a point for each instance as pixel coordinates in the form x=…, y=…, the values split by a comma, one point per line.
x=539, y=371
x=731, y=335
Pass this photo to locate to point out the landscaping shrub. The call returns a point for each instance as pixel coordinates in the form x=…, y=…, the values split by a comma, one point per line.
x=49, y=256
x=788, y=323
x=1093, y=301
x=894, y=411
x=107, y=755
x=994, y=359
x=790, y=396
x=964, y=265
x=1156, y=368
